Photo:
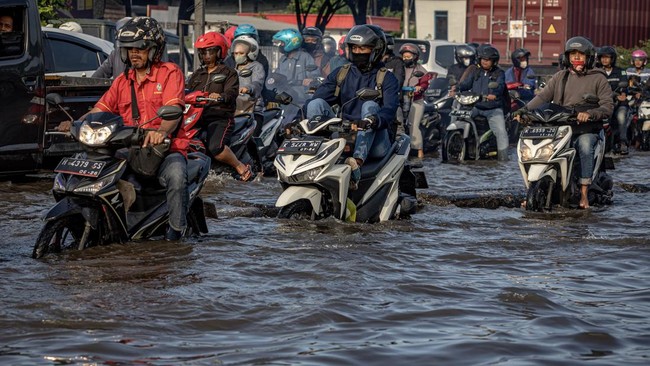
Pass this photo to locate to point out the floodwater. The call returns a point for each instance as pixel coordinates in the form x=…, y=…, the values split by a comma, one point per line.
x=451, y=286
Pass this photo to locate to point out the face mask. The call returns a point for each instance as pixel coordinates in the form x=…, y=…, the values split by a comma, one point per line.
x=409, y=62
x=466, y=62
x=241, y=59
x=361, y=60
x=523, y=64
x=310, y=47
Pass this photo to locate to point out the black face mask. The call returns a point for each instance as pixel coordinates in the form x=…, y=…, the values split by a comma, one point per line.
x=361, y=60
x=310, y=47
x=409, y=63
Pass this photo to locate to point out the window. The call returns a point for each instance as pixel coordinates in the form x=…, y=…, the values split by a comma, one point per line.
x=12, y=42
x=445, y=55
x=440, y=26
x=69, y=57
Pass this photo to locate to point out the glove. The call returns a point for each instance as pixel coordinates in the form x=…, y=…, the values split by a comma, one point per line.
x=520, y=112
x=370, y=122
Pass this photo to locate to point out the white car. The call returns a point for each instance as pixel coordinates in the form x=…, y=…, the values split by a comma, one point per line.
x=435, y=56
x=73, y=54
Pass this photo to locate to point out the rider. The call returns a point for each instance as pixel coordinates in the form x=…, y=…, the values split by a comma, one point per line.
x=313, y=44
x=329, y=46
x=113, y=66
x=340, y=59
x=245, y=51
x=567, y=88
x=521, y=72
x=606, y=59
x=141, y=42
x=410, y=55
x=217, y=119
x=393, y=63
x=465, y=57
x=365, y=46
x=639, y=60
x=477, y=79
x=251, y=31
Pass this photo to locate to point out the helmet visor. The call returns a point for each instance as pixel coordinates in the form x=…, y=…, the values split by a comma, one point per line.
x=139, y=44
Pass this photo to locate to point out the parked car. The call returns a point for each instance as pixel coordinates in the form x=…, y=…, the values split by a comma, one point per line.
x=73, y=54
x=435, y=56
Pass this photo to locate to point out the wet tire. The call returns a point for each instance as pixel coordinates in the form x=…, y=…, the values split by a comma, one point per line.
x=57, y=236
x=645, y=141
x=538, y=194
x=298, y=210
x=454, y=147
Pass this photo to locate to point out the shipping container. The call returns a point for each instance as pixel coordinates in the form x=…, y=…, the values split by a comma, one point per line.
x=543, y=26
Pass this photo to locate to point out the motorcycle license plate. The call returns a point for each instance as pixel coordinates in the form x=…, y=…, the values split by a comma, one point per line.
x=306, y=147
x=87, y=168
x=538, y=133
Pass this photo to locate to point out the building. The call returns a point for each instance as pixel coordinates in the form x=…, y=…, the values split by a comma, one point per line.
x=444, y=20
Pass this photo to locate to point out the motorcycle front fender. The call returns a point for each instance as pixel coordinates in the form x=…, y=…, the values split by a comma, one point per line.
x=68, y=207
x=460, y=125
x=295, y=193
x=539, y=171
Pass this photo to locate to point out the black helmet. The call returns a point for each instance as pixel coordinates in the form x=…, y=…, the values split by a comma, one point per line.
x=465, y=51
x=517, y=54
x=367, y=35
x=142, y=33
x=412, y=48
x=312, y=32
x=606, y=51
x=580, y=44
x=488, y=52
x=390, y=42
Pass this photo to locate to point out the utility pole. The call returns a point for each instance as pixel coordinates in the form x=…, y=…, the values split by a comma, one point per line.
x=406, y=19
x=199, y=26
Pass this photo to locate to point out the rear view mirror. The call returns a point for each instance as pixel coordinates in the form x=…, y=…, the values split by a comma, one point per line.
x=218, y=78
x=245, y=73
x=591, y=98
x=54, y=98
x=311, y=68
x=170, y=112
x=493, y=85
x=622, y=84
x=368, y=94
x=452, y=81
x=283, y=98
x=418, y=73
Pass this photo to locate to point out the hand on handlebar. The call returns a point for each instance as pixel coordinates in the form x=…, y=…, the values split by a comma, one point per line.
x=491, y=97
x=520, y=115
x=64, y=126
x=153, y=138
x=369, y=122
x=583, y=117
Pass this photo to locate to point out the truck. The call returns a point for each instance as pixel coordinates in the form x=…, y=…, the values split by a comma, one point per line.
x=28, y=137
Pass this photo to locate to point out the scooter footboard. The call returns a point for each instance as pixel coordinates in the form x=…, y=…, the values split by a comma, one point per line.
x=295, y=193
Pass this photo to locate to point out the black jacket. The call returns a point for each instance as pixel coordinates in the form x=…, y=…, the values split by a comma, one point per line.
x=229, y=90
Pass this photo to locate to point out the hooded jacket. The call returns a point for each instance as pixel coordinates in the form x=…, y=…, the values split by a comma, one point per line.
x=477, y=80
x=593, y=82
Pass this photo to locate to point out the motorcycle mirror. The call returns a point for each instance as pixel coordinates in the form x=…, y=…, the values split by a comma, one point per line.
x=170, y=112
x=367, y=94
x=283, y=98
x=311, y=68
x=452, y=81
x=245, y=73
x=531, y=77
x=218, y=78
x=418, y=73
x=622, y=84
x=493, y=85
x=54, y=98
x=590, y=98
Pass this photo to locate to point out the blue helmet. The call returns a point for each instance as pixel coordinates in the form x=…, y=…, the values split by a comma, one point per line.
x=247, y=30
x=288, y=40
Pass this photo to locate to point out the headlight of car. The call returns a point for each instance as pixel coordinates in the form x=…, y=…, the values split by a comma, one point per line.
x=95, y=186
x=94, y=137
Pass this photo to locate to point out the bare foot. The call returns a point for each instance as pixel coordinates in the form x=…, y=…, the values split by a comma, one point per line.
x=584, y=203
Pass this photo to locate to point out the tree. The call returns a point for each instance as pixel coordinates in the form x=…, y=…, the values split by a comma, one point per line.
x=48, y=9
x=359, y=10
x=325, y=11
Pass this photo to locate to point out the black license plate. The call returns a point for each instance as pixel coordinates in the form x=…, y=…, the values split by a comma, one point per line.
x=539, y=133
x=306, y=147
x=87, y=168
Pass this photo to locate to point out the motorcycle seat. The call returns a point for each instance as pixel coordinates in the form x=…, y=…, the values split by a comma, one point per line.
x=372, y=166
x=271, y=113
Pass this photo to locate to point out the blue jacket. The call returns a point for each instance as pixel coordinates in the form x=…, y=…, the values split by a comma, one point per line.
x=356, y=80
x=526, y=94
x=477, y=81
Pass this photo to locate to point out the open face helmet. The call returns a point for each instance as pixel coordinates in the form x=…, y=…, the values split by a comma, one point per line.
x=212, y=41
x=247, y=30
x=606, y=51
x=253, y=47
x=583, y=45
x=465, y=54
x=287, y=40
x=144, y=33
x=517, y=55
x=640, y=55
x=487, y=51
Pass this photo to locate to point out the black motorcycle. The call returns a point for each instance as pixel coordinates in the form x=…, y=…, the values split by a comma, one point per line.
x=437, y=113
x=101, y=201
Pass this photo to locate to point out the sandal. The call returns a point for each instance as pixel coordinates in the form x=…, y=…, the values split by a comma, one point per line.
x=247, y=175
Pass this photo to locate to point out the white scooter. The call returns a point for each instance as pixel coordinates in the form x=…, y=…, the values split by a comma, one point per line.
x=547, y=161
x=315, y=178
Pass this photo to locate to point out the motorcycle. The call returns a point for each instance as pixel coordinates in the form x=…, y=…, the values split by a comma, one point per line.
x=640, y=125
x=100, y=201
x=515, y=103
x=315, y=179
x=547, y=161
x=469, y=138
x=612, y=140
x=437, y=109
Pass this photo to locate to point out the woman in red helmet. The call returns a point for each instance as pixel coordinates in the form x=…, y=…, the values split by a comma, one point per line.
x=218, y=118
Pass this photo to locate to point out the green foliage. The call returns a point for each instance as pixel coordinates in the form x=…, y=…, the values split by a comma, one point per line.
x=386, y=12
x=625, y=54
x=48, y=9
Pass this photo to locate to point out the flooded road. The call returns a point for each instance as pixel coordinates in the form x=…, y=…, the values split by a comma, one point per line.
x=453, y=285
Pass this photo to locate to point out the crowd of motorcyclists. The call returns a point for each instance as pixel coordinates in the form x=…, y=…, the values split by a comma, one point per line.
x=322, y=82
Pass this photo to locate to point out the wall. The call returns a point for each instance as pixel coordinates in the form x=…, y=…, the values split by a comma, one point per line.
x=424, y=18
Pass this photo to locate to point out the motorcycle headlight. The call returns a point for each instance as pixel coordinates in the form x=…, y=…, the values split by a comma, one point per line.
x=94, y=137
x=525, y=153
x=467, y=99
x=306, y=177
x=95, y=186
x=545, y=152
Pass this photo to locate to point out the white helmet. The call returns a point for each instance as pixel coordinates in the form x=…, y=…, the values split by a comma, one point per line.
x=72, y=27
x=253, y=47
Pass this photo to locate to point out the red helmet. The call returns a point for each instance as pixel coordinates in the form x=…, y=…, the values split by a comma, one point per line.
x=213, y=39
x=230, y=33
x=341, y=45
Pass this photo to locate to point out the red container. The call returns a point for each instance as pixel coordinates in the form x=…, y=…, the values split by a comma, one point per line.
x=543, y=26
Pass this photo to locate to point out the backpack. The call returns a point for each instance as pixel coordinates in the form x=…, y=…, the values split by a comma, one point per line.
x=343, y=72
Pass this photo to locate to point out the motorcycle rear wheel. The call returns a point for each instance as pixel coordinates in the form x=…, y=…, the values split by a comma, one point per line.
x=538, y=197
x=58, y=235
x=298, y=210
x=454, y=148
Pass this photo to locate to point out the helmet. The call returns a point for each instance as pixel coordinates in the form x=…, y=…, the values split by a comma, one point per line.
x=580, y=44
x=606, y=51
x=120, y=23
x=390, y=43
x=410, y=47
x=367, y=35
x=465, y=51
x=246, y=30
x=341, y=46
x=489, y=52
x=641, y=55
x=329, y=45
x=517, y=54
x=253, y=47
x=288, y=40
x=213, y=39
x=143, y=33
x=72, y=27
x=312, y=32
x=230, y=33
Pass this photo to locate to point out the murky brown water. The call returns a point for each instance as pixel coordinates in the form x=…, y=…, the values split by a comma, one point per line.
x=453, y=285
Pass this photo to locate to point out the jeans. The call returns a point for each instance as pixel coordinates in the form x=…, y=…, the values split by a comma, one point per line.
x=415, y=117
x=622, y=122
x=172, y=175
x=497, y=123
x=585, y=145
x=369, y=142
